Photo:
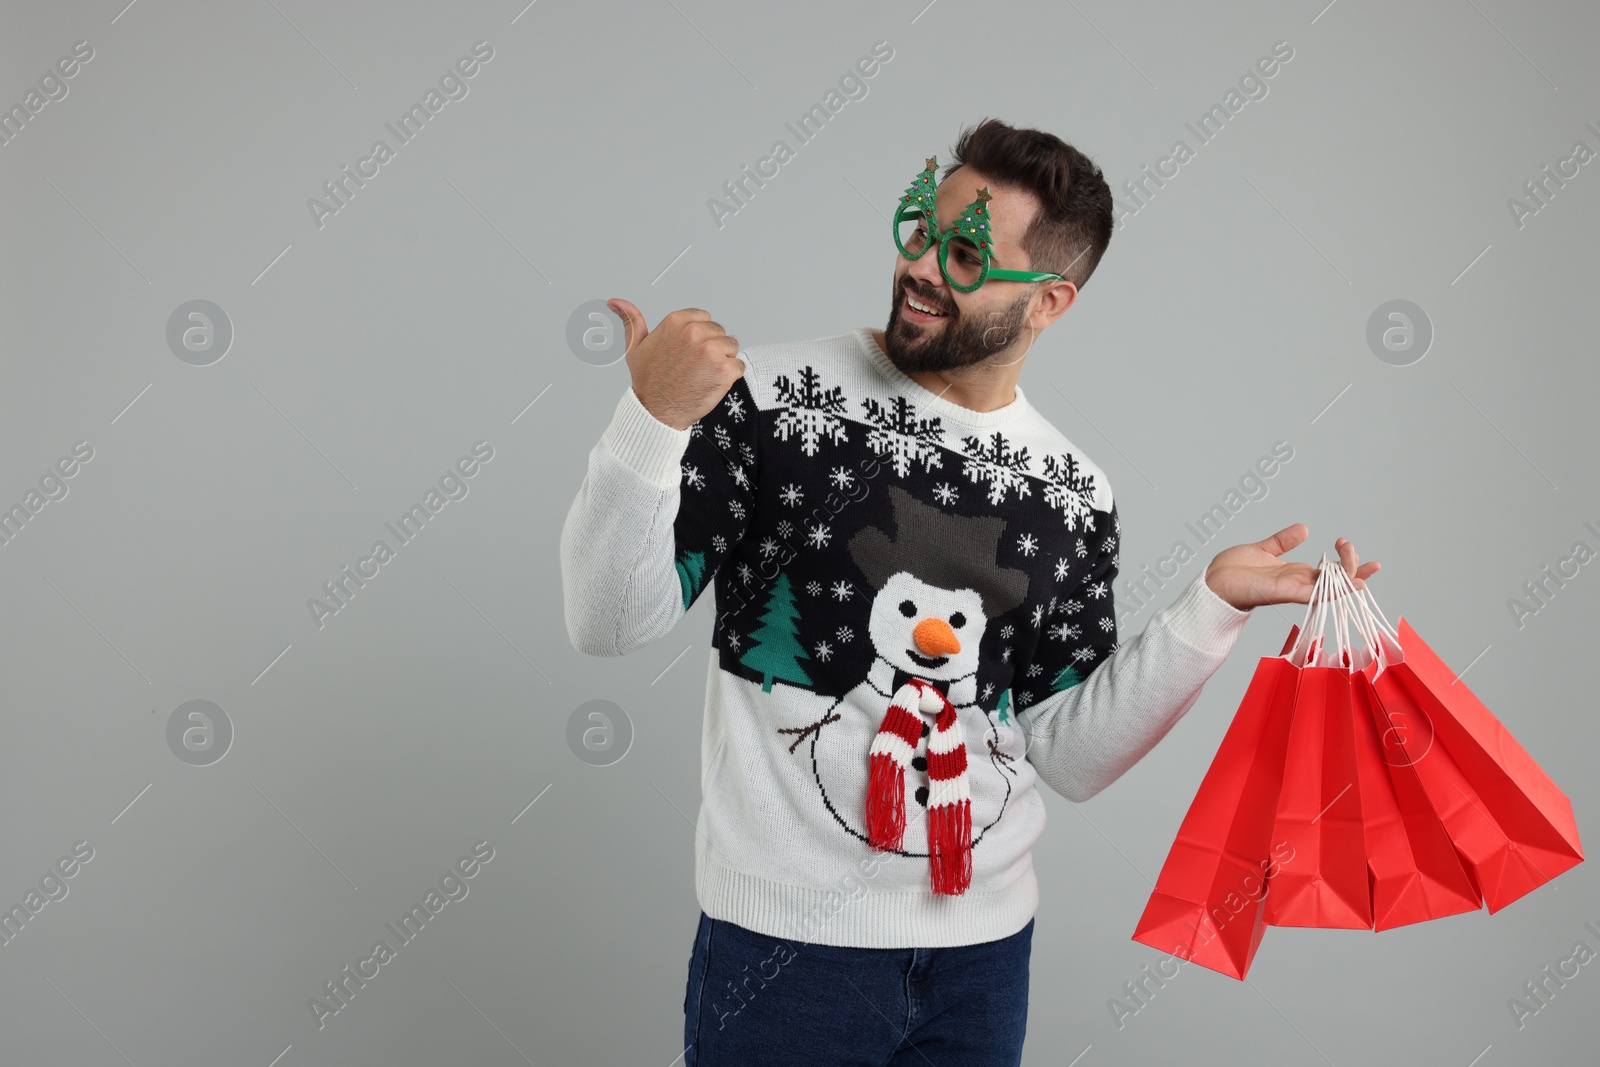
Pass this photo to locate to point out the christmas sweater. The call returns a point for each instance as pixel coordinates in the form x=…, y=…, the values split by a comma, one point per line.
x=858, y=531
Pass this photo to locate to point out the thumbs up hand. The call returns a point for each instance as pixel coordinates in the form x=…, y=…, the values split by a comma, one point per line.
x=681, y=369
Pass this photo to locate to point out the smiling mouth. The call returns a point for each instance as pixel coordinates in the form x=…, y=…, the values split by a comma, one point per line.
x=926, y=310
x=927, y=662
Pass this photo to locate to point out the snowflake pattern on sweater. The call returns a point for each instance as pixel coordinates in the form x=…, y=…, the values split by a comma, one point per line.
x=794, y=588
x=838, y=526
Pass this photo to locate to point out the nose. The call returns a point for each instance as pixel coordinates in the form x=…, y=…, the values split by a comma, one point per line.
x=925, y=269
x=935, y=638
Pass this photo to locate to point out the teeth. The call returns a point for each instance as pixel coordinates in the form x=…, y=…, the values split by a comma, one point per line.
x=921, y=307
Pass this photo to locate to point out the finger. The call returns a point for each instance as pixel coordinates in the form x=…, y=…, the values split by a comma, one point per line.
x=1349, y=557
x=701, y=329
x=1284, y=539
x=1342, y=551
x=633, y=325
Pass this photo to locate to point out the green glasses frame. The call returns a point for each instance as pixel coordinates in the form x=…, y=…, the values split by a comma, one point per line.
x=971, y=226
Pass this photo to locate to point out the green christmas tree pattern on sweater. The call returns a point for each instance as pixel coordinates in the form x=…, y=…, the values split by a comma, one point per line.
x=691, y=575
x=776, y=651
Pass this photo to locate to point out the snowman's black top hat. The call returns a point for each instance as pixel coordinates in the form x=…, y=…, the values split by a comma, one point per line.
x=948, y=551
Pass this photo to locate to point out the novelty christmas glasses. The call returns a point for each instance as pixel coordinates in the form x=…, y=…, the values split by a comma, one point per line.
x=964, y=251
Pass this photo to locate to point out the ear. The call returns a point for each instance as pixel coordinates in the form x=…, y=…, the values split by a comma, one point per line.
x=1053, y=303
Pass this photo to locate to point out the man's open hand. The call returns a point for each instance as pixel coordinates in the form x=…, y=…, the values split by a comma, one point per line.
x=681, y=369
x=1249, y=575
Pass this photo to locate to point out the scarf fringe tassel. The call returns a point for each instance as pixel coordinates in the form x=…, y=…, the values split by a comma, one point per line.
x=950, y=847
x=886, y=802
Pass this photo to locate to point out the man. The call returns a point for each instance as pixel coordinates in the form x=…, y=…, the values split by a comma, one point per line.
x=915, y=624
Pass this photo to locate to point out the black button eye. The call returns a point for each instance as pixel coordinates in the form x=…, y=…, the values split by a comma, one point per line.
x=907, y=608
x=958, y=620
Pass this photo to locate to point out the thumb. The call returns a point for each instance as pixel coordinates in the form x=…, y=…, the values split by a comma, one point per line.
x=634, y=329
x=1284, y=539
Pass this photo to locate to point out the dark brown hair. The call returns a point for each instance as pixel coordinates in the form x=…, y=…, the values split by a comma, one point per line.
x=1074, y=222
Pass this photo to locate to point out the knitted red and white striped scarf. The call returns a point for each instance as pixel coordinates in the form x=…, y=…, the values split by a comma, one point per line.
x=949, y=798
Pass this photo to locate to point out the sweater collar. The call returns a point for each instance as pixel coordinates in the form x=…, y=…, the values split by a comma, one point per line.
x=928, y=400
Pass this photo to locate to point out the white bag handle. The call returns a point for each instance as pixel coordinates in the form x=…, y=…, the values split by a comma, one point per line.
x=1381, y=638
x=1316, y=606
x=1370, y=606
x=1349, y=608
x=1352, y=608
x=1346, y=657
x=1332, y=607
x=1334, y=592
x=1386, y=636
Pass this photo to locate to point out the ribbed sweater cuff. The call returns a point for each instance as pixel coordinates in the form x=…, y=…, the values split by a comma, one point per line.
x=645, y=443
x=1203, y=619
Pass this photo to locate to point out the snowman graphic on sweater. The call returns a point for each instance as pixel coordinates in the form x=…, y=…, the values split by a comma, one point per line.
x=908, y=760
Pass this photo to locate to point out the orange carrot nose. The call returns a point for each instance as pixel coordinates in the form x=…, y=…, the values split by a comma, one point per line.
x=935, y=638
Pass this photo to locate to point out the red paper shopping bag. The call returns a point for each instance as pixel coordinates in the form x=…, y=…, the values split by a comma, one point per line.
x=1207, y=906
x=1512, y=826
x=1319, y=814
x=1354, y=789
x=1414, y=870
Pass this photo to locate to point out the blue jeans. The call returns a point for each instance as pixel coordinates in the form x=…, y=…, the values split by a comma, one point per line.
x=759, y=1000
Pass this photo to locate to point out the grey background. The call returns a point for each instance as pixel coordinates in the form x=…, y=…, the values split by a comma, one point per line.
x=370, y=754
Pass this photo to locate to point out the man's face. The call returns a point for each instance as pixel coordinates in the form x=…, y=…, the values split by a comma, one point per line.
x=986, y=324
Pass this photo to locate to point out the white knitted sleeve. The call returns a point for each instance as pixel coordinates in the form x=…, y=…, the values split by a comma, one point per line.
x=1087, y=735
x=657, y=512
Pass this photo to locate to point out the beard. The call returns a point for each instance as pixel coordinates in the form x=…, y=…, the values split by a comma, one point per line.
x=953, y=342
